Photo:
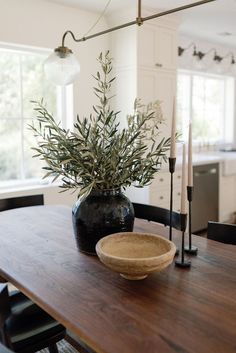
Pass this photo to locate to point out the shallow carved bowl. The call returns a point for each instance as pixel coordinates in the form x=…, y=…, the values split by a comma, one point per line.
x=135, y=255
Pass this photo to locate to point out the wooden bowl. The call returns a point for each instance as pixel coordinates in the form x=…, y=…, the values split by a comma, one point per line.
x=135, y=255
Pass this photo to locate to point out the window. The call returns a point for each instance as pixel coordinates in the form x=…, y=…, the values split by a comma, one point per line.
x=207, y=100
x=21, y=81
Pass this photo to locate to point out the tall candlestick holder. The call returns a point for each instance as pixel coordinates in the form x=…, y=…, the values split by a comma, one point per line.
x=190, y=249
x=172, y=162
x=182, y=262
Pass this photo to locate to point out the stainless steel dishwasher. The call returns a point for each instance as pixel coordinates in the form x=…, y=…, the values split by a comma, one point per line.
x=205, y=204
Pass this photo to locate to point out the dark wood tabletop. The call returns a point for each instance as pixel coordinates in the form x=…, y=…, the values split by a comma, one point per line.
x=177, y=310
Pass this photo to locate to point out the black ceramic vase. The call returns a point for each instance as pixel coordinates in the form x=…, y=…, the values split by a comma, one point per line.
x=101, y=213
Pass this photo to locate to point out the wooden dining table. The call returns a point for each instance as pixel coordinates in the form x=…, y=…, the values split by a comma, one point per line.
x=176, y=310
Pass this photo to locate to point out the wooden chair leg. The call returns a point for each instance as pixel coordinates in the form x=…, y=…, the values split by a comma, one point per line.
x=53, y=348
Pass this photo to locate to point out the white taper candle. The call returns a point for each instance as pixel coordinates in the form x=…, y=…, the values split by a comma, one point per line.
x=173, y=132
x=190, y=152
x=183, y=208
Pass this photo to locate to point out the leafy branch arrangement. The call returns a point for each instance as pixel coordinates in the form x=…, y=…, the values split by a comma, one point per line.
x=99, y=154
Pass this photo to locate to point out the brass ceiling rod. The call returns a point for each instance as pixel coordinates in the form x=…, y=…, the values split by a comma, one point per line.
x=139, y=20
x=62, y=67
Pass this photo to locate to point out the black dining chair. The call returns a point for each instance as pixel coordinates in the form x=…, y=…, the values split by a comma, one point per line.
x=4, y=349
x=157, y=214
x=21, y=201
x=24, y=327
x=222, y=232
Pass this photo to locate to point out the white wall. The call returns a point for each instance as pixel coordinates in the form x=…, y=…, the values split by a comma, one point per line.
x=40, y=23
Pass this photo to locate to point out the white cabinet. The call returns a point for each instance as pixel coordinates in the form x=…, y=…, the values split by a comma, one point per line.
x=157, y=65
x=157, y=47
x=227, y=200
x=159, y=190
x=161, y=85
x=145, y=60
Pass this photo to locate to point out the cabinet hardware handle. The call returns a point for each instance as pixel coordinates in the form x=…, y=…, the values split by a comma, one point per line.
x=179, y=176
x=158, y=65
x=206, y=172
x=161, y=179
x=178, y=194
x=161, y=197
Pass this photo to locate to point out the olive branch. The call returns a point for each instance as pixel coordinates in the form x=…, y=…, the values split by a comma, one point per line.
x=98, y=154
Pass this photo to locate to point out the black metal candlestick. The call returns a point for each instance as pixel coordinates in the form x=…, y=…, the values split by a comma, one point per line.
x=172, y=162
x=182, y=262
x=190, y=249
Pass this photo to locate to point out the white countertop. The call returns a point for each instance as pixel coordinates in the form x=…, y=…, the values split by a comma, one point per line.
x=208, y=157
x=227, y=159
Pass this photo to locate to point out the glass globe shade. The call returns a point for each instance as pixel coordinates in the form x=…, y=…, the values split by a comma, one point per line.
x=61, y=69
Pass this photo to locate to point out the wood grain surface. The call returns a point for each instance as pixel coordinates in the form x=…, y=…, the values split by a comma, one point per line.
x=176, y=310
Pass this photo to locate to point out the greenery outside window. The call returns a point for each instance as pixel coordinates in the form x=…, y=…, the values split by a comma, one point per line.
x=208, y=101
x=22, y=80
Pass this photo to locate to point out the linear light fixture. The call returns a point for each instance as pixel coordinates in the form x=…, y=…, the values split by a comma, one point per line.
x=62, y=66
x=217, y=59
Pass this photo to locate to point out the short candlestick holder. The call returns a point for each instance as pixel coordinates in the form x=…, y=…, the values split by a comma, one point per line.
x=190, y=249
x=182, y=262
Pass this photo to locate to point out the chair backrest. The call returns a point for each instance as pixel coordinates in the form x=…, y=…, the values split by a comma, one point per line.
x=21, y=201
x=157, y=214
x=4, y=349
x=222, y=232
x=5, y=311
x=24, y=327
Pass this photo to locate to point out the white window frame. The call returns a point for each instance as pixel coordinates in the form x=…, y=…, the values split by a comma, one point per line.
x=64, y=114
x=229, y=126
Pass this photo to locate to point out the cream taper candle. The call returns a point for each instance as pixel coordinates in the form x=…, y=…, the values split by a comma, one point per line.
x=173, y=133
x=190, y=152
x=183, y=208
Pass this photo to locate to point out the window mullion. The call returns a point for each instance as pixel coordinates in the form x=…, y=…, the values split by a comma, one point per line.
x=22, y=166
x=224, y=122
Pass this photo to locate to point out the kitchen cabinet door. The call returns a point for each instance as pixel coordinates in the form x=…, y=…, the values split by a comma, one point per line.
x=161, y=86
x=159, y=193
x=157, y=47
x=227, y=198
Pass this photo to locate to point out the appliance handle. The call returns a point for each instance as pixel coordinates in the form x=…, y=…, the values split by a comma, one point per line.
x=205, y=172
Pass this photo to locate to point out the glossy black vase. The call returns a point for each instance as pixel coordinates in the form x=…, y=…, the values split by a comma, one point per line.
x=101, y=213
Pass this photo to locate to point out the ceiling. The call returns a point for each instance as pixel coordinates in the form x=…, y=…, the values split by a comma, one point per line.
x=214, y=21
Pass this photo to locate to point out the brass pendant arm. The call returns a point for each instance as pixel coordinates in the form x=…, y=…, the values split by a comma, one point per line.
x=139, y=20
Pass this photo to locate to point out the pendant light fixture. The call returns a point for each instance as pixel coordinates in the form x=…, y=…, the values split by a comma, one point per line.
x=62, y=67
